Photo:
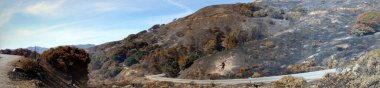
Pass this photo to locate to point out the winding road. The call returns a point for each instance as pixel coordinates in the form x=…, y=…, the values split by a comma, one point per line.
x=5, y=82
x=309, y=76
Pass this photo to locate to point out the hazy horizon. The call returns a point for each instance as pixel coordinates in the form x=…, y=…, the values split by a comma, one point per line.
x=69, y=22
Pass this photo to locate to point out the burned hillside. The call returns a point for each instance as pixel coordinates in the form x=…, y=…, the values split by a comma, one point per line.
x=241, y=40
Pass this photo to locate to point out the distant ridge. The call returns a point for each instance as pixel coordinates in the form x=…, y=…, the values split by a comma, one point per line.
x=40, y=49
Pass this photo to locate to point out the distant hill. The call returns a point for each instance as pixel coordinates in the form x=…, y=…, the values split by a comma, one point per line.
x=40, y=49
x=84, y=46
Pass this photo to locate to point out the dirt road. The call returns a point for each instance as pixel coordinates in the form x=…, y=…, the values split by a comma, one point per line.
x=5, y=82
x=309, y=76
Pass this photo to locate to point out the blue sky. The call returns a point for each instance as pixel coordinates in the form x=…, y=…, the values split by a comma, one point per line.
x=51, y=23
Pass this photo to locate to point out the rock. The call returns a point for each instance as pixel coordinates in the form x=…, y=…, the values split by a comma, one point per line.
x=256, y=74
x=342, y=47
x=128, y=86
x=115, y=86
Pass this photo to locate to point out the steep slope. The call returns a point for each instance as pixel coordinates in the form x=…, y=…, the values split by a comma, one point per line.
x=173, y=47
x=243, y=40
x=320, y=31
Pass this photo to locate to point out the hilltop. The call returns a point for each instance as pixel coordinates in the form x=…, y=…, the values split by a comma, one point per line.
x=262, y=38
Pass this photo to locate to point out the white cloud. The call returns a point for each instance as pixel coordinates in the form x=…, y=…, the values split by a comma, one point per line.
x=45, y=8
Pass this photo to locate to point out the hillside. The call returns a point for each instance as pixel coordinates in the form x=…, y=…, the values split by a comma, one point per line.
x=263, y=38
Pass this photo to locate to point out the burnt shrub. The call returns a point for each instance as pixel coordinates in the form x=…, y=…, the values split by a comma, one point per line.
x=68, y=60
x=23, y=52
x=26, y=69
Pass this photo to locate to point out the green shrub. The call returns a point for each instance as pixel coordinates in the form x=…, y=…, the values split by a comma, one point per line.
x=133, y=59
x=118, y=58
x=111, y=72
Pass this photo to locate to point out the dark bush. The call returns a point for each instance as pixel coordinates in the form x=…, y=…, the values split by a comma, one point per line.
x=111, y=72
x=133, y=59
x=24, y=52
x=6, y=51
x=119, y=58
x=27, y=69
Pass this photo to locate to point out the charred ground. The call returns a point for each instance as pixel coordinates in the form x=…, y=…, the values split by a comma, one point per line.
x=241, y=40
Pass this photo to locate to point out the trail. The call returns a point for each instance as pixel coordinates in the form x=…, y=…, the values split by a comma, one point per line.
x=309, y=76
x=5, y=82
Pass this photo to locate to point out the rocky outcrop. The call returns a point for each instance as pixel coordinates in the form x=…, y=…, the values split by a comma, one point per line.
x=367, y=23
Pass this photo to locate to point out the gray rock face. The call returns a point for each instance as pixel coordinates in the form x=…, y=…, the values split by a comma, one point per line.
x=312, y=31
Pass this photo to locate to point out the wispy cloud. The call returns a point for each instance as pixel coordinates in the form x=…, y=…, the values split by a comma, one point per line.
x=63, y=34
x=114, y=6
x=5, y=16
x=45, y=8
x=7, y=12
x=187, y=8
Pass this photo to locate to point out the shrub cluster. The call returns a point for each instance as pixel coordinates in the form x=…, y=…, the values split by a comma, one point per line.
x=20, y=52
x=68, y=60
x=27, y=69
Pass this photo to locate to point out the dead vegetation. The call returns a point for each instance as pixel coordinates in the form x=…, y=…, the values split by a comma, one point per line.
x=26, y=69
x=70, y=61
x=306, y=66
x=363, y=73
x=20, y=52
x=63, y=66
x=289, y=82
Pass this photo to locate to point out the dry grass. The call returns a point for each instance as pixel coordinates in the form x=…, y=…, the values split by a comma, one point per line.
x=27, y=64
x=269, y=44
x=364, y=73
x=256, y=74
x=303, y=67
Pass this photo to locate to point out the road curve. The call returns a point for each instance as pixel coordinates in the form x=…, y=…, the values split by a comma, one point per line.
x=5, y=82
x=309, y=76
